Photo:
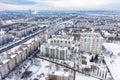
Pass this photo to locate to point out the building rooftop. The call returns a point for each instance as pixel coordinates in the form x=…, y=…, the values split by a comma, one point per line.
x=63, y=37
x=60, y=73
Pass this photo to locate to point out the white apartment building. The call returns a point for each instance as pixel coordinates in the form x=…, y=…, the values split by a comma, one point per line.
x=52, y=51
x=61, y=40
x=12, y=57
x=107, y=26
x=21, y=32
x=91, y=42
x=5, y=38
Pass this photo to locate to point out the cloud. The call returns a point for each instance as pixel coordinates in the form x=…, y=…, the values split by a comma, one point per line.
x=18, y=2
x=85, y=4
x=60, y=4
x=13, y=7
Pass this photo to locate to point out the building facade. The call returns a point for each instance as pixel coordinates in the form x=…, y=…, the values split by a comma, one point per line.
x=61, y=40
x=56, y=52
x=5, y=38
x=11, y=58
x=91, y=42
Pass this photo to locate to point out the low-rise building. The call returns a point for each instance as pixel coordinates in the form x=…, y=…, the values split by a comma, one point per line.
x=59, y=75
x=5, y=38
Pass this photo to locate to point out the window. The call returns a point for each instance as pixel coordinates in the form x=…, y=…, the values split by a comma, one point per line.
x=57, y=41
x=85, y=39
x=69, y=42
x=65, y=42
x=54, y=41
x=51, y=42
x=97, y=40
x=8, y=66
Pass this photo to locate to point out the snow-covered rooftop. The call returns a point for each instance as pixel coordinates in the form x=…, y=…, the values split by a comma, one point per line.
x=62, y=37
x=80, y=76
x=60, y=73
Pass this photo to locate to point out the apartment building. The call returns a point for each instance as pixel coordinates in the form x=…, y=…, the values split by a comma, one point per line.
x=25, y=31
x=52, y=51
x=61, y=40
x=5, y=38
x=112, y=26
x=91, y=42
x=11, y=58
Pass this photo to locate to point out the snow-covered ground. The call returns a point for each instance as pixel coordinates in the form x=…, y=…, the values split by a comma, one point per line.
x=37, y=66
x=41, y=67
x=113, y=64
x=80, y=76
x=112, y=57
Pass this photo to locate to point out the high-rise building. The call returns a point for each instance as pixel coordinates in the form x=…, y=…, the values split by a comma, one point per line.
x=56, y=52
x=63, y=41
x=91, y=42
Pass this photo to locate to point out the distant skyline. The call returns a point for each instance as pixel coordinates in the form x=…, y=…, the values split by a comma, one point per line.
x=60, y=4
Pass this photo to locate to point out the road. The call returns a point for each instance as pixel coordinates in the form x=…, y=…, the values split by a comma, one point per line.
x=51, y=32
x=53, y=27
x=5, y=48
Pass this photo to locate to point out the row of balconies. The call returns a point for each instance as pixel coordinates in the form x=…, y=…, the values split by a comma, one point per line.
x=14, y=58
x=54, y=52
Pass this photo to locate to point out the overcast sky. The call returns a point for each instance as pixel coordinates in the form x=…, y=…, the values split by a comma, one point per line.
x=60, y=4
